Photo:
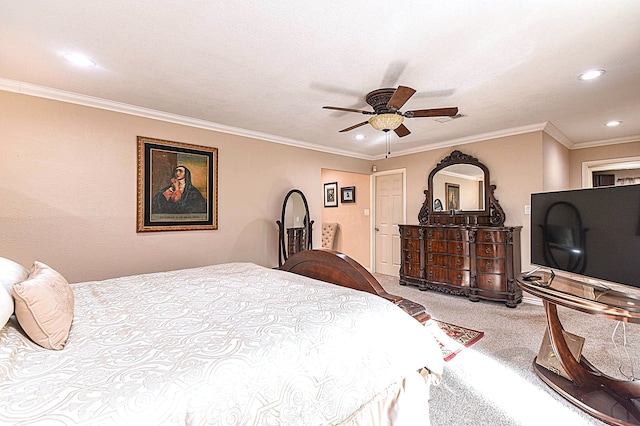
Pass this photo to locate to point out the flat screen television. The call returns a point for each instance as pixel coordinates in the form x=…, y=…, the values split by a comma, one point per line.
x=590, y=232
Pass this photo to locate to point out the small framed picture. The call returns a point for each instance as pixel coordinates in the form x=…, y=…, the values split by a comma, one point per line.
x=348, y=194
x=331, y=194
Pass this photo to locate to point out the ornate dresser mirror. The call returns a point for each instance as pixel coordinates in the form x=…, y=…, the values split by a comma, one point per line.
x=459, y=193
x=461, y=245
x=294, y=227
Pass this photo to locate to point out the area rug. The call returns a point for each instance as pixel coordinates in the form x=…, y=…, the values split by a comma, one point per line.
x=453, y=338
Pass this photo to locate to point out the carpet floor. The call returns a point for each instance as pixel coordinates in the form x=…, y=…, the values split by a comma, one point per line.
x=493, y=382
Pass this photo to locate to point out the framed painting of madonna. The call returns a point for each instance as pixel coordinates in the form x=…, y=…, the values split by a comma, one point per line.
x=177, y=186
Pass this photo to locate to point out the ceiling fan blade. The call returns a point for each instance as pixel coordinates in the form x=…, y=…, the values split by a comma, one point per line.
x=400, y=97
x=355, y=126
x=349, y=110
x=434, y=112
x=402, y=131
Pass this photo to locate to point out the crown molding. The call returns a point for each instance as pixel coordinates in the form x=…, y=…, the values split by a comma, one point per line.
x=553, y=131
x=471, y=139
x=105, y=104
x=627, y=139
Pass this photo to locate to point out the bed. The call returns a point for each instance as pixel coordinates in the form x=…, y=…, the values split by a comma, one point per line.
x=230, y=344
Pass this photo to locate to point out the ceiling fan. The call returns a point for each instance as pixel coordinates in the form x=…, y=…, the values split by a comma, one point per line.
x=386, y=104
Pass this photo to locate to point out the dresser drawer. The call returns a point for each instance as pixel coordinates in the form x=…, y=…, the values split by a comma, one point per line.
x=437, y=274
x=458, y=248
x=410, y=244
x=410, y=232
x=411, y=269
x=434, y=233
x=437, y=259
x=494, y=282
x=490, y=250
x=495, y=265
x=436, y=246
x=457, y=234
x=459, y=262
x=411, y=256
x=459, y=277
x=487, y=236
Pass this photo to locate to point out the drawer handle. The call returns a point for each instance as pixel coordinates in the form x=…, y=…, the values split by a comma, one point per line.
x=458, y=248
x=488, y=236
x=430, y=258
x=489, y=281
x=408, y=255
x=458, y=235
x=458, y=262
x=410, y=244
x=430, y=273
x=488, y=250
x=459, y=277
x=430, y=245
x=489, y=266
x=430, y=233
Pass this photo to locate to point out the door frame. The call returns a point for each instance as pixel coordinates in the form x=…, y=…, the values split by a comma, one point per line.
x=588, y=167
x=372, y=220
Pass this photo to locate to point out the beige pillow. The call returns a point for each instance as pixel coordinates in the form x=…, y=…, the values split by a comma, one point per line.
x=44, y=306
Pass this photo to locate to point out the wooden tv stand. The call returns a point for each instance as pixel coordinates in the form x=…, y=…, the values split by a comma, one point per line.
x=613, y=401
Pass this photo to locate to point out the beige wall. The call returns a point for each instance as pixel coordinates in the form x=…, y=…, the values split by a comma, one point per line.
x=68, y=191
x=353, y=237
x=608, y=152
x=555, y=165
x=68, y=188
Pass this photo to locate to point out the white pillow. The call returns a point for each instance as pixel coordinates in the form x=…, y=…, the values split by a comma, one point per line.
x=6, y=307
x=10, y=273
x=44, y=306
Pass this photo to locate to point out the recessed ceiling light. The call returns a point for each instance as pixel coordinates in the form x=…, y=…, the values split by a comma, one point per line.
x=79, y=60
x=614, y=123
x=591, y=74
x=359, y=137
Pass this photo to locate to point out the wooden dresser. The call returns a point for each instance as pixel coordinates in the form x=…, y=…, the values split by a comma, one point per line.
x=465, y=250
x=480, y=262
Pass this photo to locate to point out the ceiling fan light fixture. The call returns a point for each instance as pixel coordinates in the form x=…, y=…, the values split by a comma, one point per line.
x=386, y=122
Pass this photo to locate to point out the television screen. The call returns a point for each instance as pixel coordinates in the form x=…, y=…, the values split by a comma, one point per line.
x=591, y=232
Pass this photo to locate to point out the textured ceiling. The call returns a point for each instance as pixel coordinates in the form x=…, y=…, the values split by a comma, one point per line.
x=266, y=69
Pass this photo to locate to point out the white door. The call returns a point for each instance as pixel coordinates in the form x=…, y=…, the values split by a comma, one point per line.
x=389, y=212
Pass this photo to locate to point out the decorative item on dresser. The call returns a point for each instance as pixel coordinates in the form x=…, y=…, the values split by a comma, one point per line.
x=465, y=250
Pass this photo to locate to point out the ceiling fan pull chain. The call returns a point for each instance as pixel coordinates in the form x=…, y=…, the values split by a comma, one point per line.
x=388, y=144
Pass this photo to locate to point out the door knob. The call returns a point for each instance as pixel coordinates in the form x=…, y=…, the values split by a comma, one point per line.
x=377, y=229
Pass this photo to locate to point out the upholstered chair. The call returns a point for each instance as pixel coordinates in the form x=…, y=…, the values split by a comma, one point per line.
x=329, y=235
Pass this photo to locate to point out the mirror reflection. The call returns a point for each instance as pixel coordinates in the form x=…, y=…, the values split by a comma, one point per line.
x=294, y=227
x=295, y=221
x=459, y=187
x=564, y=238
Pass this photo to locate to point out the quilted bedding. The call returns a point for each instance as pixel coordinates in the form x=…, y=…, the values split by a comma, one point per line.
x=231, y=344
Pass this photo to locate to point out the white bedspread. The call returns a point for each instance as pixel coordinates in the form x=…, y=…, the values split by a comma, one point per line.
x=224, y=345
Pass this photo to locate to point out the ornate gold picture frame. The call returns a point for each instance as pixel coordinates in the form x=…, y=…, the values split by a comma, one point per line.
x=177, y=186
